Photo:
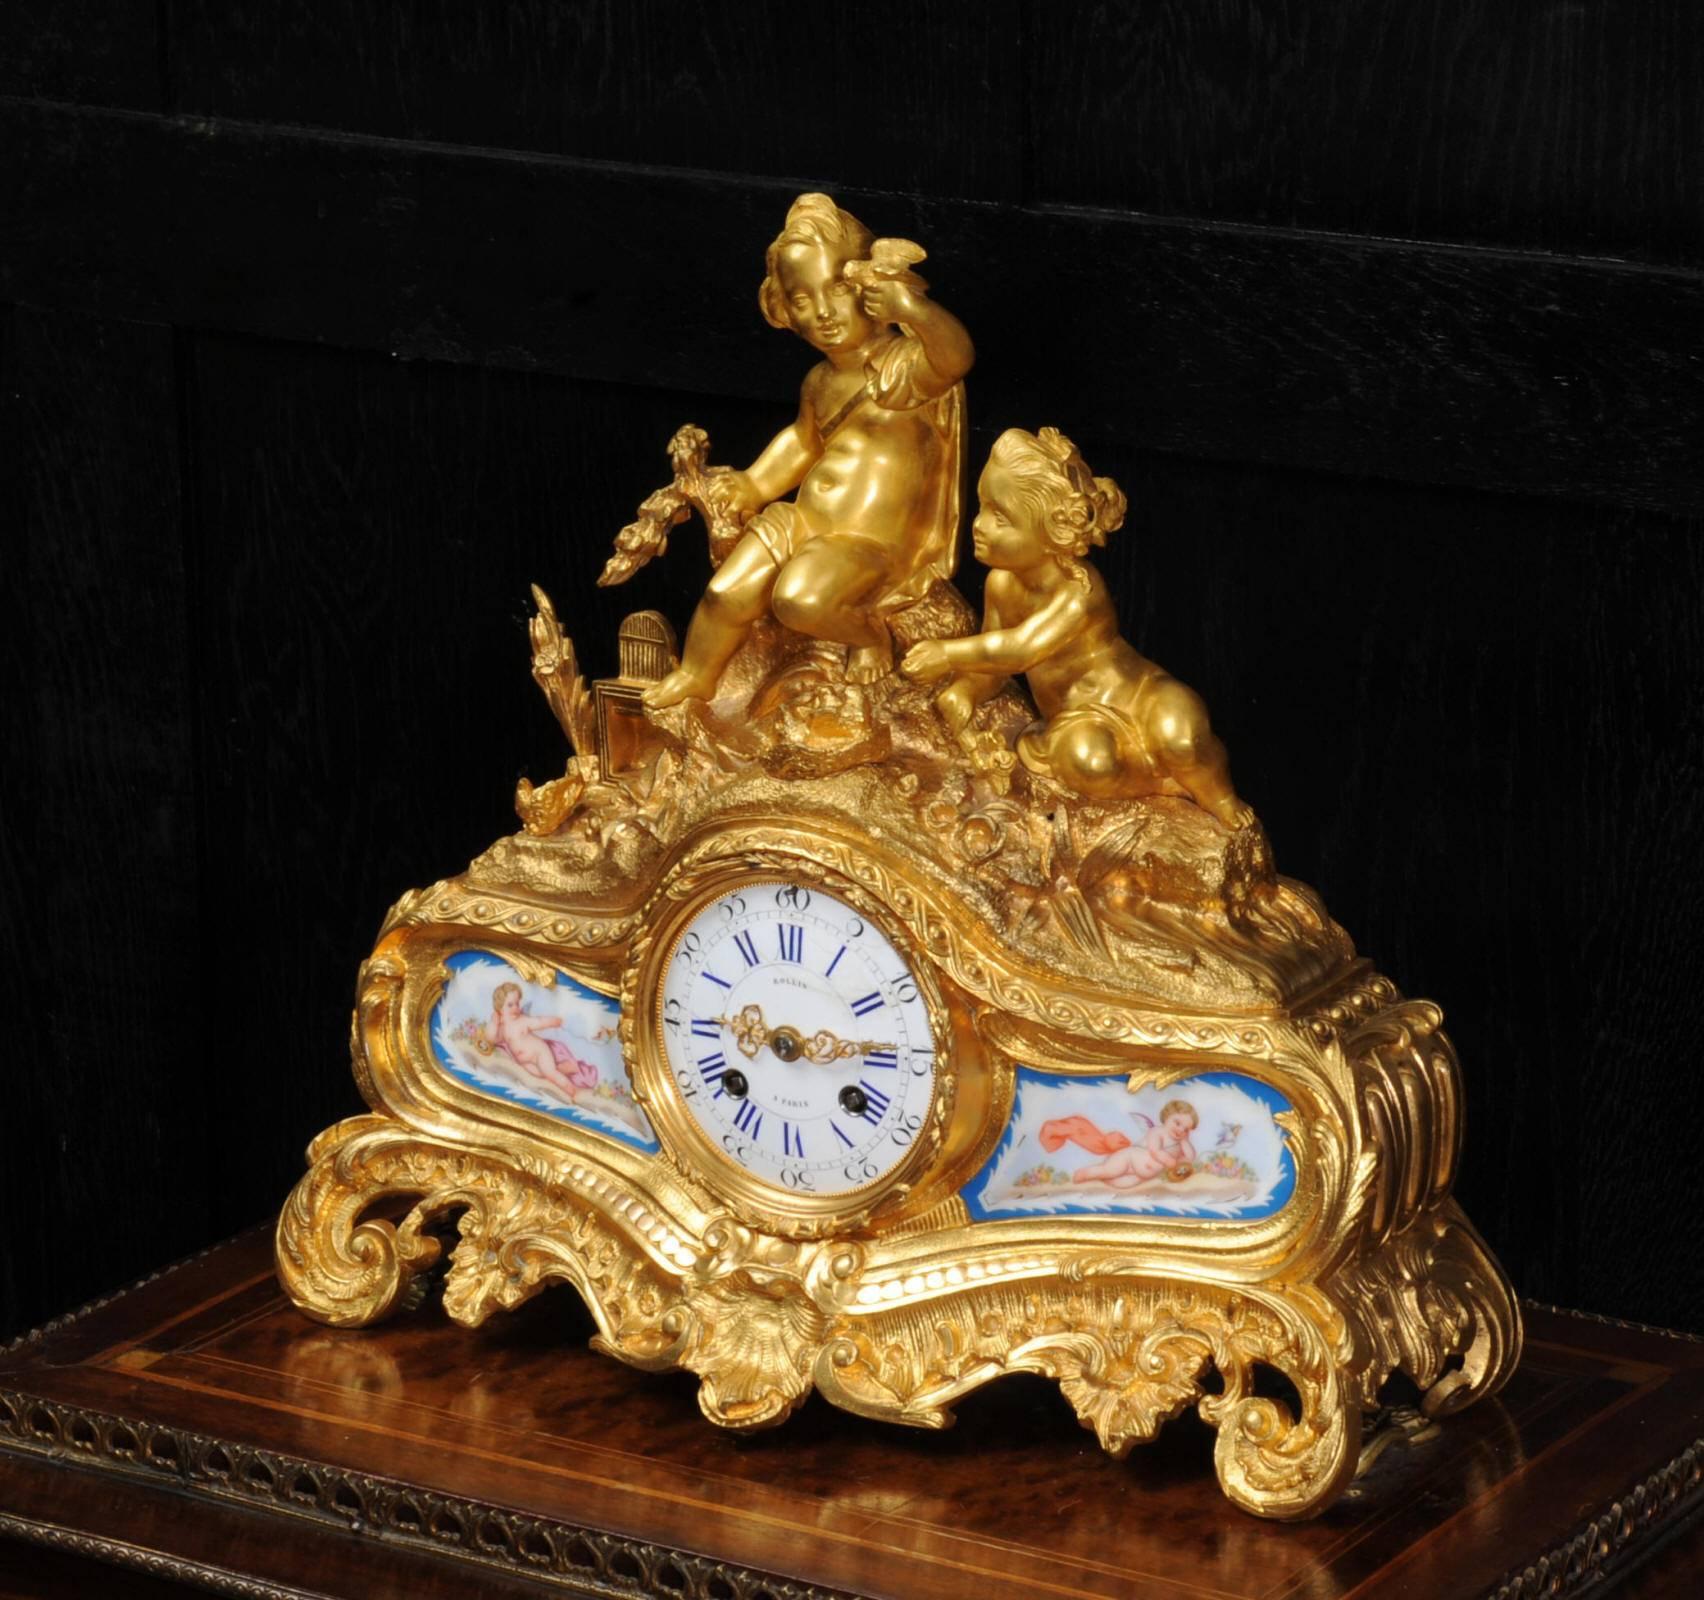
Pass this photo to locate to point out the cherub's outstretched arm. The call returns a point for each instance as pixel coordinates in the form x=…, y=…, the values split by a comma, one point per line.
x=945, y=340
x=1004, y=651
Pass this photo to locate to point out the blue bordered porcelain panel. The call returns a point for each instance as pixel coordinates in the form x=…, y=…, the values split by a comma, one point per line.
x=1206, y=1147
x=554, y=1050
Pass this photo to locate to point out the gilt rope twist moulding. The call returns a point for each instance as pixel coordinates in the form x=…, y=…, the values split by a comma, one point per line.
x=886, y=999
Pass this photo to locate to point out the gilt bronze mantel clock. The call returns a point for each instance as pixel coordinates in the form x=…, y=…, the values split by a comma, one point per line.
x=883, y=1001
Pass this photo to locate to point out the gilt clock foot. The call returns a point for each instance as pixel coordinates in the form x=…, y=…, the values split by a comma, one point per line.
x=762, y=1321
x=1433, y=1304
x=338, y=1264
x=1129, y=1354
x=519, y=1231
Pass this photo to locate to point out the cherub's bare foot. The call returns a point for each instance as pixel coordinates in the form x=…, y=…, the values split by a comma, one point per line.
x=1234, y=813
x=868, y=662
x=681, y=684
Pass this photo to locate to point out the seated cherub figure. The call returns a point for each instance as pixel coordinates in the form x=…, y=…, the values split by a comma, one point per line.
x=874, y=453
x=1117, y=726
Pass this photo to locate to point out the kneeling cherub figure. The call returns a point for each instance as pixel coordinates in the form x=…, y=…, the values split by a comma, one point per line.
x=1118, y=727
x=875, y=455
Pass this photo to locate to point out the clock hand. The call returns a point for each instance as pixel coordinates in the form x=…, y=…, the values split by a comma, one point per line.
x=822, y=1048
x=748, y=1029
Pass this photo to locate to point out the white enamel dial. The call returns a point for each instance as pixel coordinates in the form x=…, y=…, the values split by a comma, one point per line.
x=797, y=1038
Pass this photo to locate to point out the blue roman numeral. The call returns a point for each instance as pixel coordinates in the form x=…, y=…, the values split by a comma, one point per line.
x=792, y=942
x=706, y=1028
x=748, y=1119
x=746, y=948
x=877, y=1102
x=722, y=981
x=870, y=1002
x=882, y=1058
x=835, y=962
x=839, y=1135
x=712, y=1066
x=792, y=1140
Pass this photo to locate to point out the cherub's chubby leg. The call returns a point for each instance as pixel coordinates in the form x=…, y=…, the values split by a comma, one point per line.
x=737, y=596
x=1092, y=750
x=1115, y=1172
x=821, y=591
x=1189, y=752
x=1084, y=754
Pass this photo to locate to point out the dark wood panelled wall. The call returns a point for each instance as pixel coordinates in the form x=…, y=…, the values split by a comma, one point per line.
x=326, y=328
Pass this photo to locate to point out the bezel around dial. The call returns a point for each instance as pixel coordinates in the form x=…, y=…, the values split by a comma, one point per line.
x=766, y=1205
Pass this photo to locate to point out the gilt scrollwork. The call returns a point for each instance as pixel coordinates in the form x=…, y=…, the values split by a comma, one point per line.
x=1129, y=1353
x=762, y=1320
x=1433, y=1293
x=1044, y=821
x=519, y=1228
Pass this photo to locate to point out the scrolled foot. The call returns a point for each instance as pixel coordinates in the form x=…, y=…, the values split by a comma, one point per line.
x=335, y=1266
x=1270, y=1462
x=1493, y=1350
x=1288, y=1468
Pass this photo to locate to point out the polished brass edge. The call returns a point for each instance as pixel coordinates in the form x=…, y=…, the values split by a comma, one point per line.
x=152, y=1563
x=1668, y=1498
x=1613, y=1322
x=53, y=1325
x=578, y=1557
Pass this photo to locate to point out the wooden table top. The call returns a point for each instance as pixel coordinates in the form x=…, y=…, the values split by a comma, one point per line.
x=197, y=1427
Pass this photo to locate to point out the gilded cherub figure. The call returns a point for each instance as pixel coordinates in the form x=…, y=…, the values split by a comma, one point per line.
x=875, y=455
x=1117, y=726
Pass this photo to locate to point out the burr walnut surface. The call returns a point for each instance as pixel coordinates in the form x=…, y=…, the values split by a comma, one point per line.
x=197, y=1428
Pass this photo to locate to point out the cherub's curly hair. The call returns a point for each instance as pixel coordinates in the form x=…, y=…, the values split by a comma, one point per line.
x=811, y=219
x=1051, y=480
x=1180, y=1105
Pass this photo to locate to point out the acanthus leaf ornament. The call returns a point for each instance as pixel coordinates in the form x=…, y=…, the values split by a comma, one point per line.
x=880, y=1003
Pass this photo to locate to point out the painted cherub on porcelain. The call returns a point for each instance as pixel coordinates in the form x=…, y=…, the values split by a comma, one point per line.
x=516, y=1032
x=874, y=454
x=1117, y=726
x=1165, y=1151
